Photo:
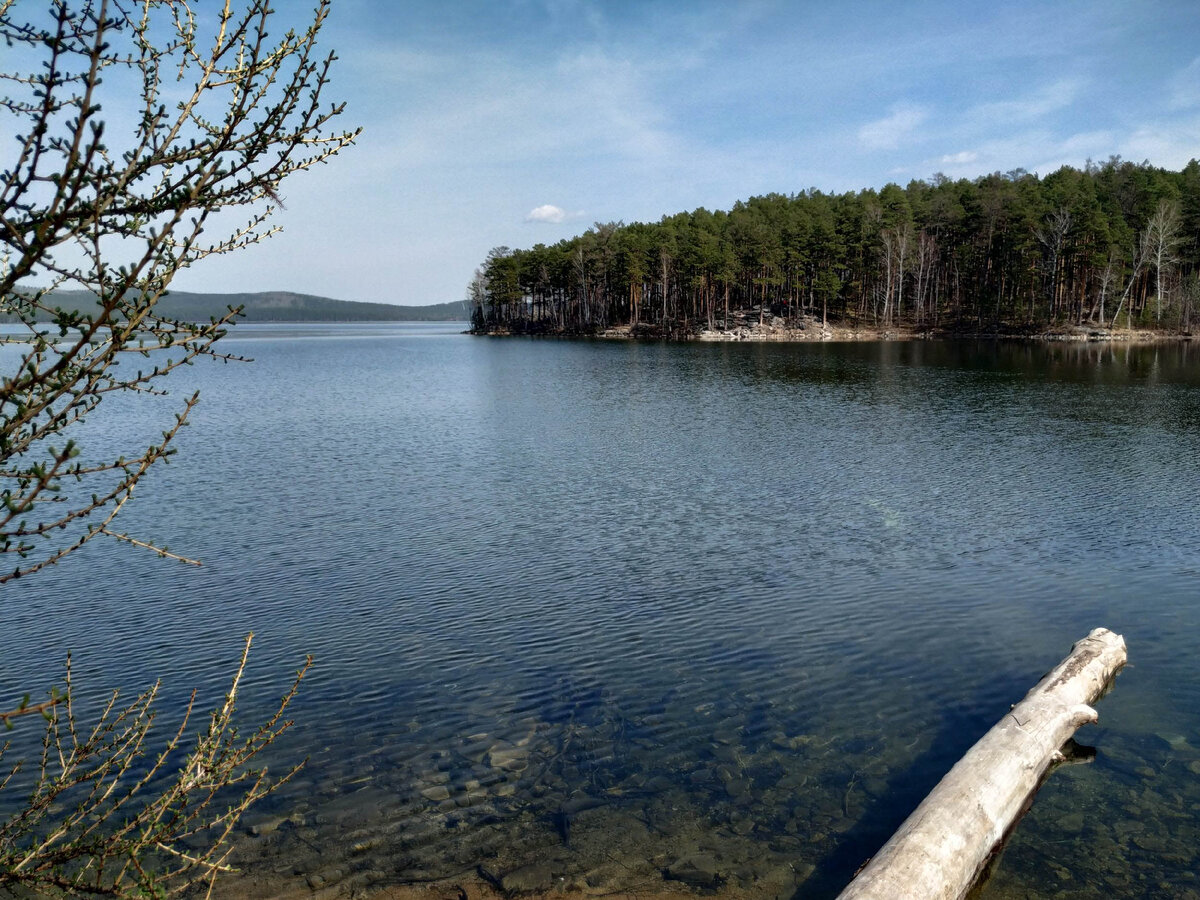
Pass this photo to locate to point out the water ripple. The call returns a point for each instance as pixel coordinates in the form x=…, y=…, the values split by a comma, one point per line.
x=765, y=593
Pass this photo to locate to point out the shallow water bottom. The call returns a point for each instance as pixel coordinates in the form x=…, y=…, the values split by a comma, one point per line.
x=590, y=806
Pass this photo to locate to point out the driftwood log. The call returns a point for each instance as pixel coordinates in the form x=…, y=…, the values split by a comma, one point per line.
x=943, y=847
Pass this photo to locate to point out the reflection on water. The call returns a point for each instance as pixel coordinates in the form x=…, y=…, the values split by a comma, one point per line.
x=623, y=616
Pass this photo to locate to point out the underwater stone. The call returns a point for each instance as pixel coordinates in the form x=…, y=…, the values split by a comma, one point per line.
x=365, y=846
x=791, y=743
x=535, y=877
x=1151, y=843
x=1072, y=823
x=659, y=784
x=470, y=798
x=511, y=759
x=699, y=870
x=742, y=826
x=737, y=787
x=1177, y=742
x=792, y=781
x=725, y=753
x=842, y=825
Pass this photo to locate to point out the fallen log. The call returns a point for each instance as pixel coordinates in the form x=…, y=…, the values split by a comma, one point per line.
x=944, y=846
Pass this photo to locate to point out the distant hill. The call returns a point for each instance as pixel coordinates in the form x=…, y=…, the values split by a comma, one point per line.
x=280, y=306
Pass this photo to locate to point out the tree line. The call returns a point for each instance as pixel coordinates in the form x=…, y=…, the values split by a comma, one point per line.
x=1110, y=245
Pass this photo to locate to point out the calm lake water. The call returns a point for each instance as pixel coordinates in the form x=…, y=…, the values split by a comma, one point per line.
x=593, y=613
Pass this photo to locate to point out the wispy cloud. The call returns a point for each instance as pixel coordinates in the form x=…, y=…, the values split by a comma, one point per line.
x=1185, y=87
x=494, y=109
x=1035, y=149
x=478, y=114
x=1048, y=99
x=1170, y=143
x=574, y=13
x=895, y=128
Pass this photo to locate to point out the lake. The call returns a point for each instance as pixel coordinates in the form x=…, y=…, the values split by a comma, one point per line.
x=593, y=614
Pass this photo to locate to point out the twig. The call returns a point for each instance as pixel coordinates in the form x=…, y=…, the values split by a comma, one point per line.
x=161, y=551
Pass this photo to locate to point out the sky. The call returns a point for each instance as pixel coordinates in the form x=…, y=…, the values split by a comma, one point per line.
x=516, y=122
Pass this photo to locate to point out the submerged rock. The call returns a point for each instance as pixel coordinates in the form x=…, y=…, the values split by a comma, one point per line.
x=796, y=742
x=1071, y=823
x=534, y=877
x=508, y=758
x=737, y=788
x=699, y=870
x=1177, y=742
x=742, y=826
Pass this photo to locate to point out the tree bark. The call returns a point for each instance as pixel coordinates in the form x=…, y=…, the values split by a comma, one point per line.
x=943, y=847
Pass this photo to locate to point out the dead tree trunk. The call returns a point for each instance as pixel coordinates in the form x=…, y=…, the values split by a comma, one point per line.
x=942, y=848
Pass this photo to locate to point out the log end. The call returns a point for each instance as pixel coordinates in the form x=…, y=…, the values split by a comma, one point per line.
x=1106, y=637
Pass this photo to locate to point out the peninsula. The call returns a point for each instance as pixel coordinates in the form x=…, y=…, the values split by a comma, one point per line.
x=1079, y=252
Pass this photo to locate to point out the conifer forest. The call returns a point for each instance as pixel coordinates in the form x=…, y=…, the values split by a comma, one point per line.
x=1112, y=245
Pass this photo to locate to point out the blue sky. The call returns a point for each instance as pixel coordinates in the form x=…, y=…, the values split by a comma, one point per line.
x=512, y=123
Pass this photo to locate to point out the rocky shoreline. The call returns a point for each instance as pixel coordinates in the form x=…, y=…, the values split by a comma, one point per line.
x=746, y=328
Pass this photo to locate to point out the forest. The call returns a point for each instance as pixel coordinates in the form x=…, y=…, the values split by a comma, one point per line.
x=1112, y=245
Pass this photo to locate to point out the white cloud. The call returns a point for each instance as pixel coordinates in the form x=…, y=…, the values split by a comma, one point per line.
x=547, y=213
x=962, y=158
x=892, y=130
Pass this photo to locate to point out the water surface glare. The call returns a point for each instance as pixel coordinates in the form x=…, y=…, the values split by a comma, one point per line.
x=604, y=613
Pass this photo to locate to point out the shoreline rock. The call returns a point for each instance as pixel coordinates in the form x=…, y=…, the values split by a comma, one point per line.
x=809, y=331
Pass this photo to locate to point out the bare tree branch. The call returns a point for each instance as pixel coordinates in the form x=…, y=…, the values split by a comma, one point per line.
x=220, y=127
